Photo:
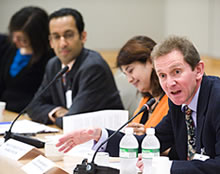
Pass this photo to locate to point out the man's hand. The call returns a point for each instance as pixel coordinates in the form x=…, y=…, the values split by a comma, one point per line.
x=139, y=129
x=140, y=164
x=60, y=112
x=74, y=138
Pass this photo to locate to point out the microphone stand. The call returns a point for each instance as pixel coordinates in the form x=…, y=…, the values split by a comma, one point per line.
x=93, y=168
x=37, y=143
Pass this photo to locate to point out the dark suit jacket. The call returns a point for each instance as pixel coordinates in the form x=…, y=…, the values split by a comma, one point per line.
x=18, y=91
x=92, y=84
x=171, y=131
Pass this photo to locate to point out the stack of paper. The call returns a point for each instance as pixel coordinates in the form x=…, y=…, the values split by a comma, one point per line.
x=111, y=119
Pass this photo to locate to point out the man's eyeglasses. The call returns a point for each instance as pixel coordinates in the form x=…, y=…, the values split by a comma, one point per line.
x=67, y=37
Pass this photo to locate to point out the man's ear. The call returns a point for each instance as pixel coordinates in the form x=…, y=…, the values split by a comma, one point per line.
x=84, y=36
x=200, y=68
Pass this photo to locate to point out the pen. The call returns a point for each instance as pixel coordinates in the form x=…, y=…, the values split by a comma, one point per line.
x=27, y=134
x=5, y=122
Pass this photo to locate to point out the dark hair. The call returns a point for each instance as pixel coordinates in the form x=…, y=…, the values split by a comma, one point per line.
x=190, y=54
x=70, y=12
x=139, y=49
x=33, y=21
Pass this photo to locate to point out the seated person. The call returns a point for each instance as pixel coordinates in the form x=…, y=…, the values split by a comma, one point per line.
x=88, y=86
x=181, y=74
x=135, y=62
x=23, y=57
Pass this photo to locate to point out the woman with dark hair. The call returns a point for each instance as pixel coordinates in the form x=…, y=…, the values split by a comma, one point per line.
x=135, y=62
x=23, y=56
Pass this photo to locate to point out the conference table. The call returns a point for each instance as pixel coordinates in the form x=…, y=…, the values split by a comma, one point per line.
x=68, y=163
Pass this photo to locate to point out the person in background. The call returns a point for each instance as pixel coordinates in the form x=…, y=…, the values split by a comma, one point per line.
x=135, y=62
x=192, y=124
x=23, y=57
x=89, y=84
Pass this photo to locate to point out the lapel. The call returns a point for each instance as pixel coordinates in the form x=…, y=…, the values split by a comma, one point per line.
x=201, y=111
x=79, y=60
x=60, y=91
x=72, y=75
x=181, y=132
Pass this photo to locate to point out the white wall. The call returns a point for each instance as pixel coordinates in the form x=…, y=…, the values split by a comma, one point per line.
x=214, y=47
x=198, y=20
x=110, y=23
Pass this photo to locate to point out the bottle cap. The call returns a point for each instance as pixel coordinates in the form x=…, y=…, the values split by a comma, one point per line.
x=150, y=131
x=129, y=130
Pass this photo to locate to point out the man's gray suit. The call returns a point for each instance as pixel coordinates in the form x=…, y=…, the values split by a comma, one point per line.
x=92, y=84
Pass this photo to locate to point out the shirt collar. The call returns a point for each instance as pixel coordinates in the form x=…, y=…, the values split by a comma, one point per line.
x=193, y=103
x=70, y=65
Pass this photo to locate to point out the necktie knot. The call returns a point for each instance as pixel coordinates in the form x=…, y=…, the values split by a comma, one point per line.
x=188, y=111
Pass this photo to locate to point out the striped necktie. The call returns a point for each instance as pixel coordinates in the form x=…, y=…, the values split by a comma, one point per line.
x=65, y=81
x=191, y=133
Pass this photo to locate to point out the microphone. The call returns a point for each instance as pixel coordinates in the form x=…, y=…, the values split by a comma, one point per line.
x=93, y=168
x=25, y=139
